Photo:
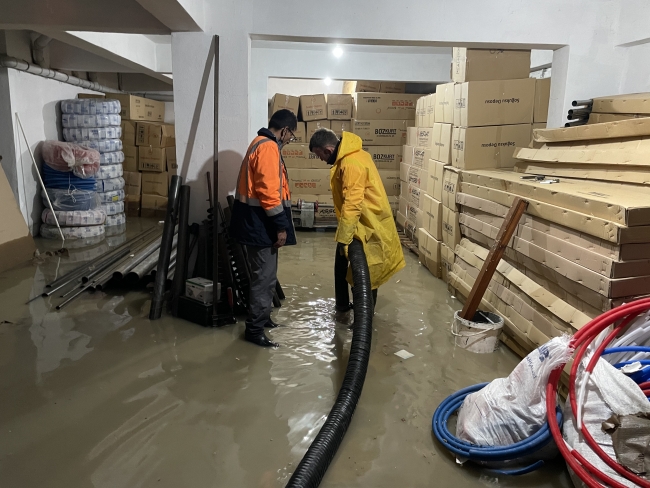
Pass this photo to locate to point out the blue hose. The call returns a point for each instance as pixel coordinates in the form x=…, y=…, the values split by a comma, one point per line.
x=475, y=453
x=62, y=180
x=613, y=350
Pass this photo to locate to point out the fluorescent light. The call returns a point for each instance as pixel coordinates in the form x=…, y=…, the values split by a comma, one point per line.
x=337, y=52
x=327, y=81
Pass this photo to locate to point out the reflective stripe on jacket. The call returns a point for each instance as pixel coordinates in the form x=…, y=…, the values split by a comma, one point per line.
x=262, y=199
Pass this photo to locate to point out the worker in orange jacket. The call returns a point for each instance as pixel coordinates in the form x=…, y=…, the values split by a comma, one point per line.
x=261, y=218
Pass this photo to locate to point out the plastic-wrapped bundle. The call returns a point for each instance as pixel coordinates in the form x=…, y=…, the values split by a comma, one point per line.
x=74, y=218
x=117, y=219
x=111, y=196
x=90, y=121
x=112, y=208
x=110, y=171
x=96, y=134
x=63, y=156
x=84, y=232
x=105, y=146
x=111, y=184
x=65, y=179
x=116, y=157
x=71, y=199
x=90, y=106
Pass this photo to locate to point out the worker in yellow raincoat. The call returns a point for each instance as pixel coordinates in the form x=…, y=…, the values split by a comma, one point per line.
x=362, y=210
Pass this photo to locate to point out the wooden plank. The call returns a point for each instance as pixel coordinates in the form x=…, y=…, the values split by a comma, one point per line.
x=490, y=264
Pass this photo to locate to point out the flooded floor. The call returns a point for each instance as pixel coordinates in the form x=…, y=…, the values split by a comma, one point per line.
x=96, y=395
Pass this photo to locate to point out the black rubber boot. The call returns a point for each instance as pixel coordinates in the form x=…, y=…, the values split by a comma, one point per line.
x=271, y=325
x=261, y=340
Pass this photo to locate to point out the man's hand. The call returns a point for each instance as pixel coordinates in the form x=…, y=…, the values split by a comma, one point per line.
x=282, y=239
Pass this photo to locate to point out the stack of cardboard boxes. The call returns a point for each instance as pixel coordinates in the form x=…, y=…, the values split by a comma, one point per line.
x=149, y=155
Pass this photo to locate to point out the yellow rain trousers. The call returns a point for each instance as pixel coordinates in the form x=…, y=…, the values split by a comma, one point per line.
x=363, y=211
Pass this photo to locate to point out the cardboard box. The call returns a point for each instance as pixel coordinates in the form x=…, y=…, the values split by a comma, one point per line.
x=199, y=289
x=412, y=136
x=339, y=107
x=416, y=156
x=392, y=87
x=155, y=183
x=639, y=127
x=414, y=176
x=172, y=165
x=314, y=126
x=130, y=158
x=313, y=107
x=597, y=118
x=415, y=215
x=420, y=112
x=445, y=98
x=132, y=183
x=429, y=249
x=446, y=261
x=153, y=206
x=488, y=147
x=128, y=132
x=612, y=173
x=504, y=102
x=132, y=205
x=340, y=126
x=542, y=98
x=310, y=181
x=155, y=135
x=586, y=223
x=361, y=86
x=381, y=132
x=433, y=209
x=281, y=101
x=630, y=103
x=450, y=227
x=415, y=196
x=156, y=159
x=137, y=108
x=301, y=134
x=425, y=137
x=385, y=157
x=623, y=204
x=442, y=142
x=296, y=156
x=16, y=243
x=391, y=181
x=430, y=110
x=450, y=187
x=436, y=178
x=385, y=106
x=489, y=64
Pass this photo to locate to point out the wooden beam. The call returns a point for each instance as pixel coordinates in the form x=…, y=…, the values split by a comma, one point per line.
x=494, y=256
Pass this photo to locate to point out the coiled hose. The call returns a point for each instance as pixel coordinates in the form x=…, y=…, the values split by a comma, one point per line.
x=318, y=457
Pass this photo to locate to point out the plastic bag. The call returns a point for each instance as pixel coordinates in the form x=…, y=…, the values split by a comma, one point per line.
x=91, y=106
x=52, y=232
x=117, y=219
x=75, y=218
x=63, y=156
x=110, y=184
x=71, y=199
x=512, y=409
x=113, y=208
x=110, y=171
x=116, y=157
x=111, y=196
x=96, y=134
x=90, y=121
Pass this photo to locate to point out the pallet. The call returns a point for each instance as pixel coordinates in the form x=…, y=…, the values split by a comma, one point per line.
x=407, y=243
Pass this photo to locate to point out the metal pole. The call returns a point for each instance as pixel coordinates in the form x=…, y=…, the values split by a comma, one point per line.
x=215, y=187
x=137, y=257
x=183, y=244
x=165, y=248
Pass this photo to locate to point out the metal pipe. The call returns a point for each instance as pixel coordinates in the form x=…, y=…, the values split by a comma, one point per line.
x=172, y=263
x=165, y=248
x=99, y=268
x=215, y=189
x=577, y=103
x=178, y=284
x=20, y=65
x=137, y=257
x=38, y=48
x=575, y=123
x=579, y=111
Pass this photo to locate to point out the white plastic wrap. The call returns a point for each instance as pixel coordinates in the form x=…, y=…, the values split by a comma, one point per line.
x=109, y=171
x=71, y=199
x=97, y=134
x=64, y=156
x=52, y=232
x=110, y=184
x=75, y=218
x=105, y=146
x=117, y=219
x=90, y=121
x=111, y=196
x=112, y=208
x=511, y=409
x=116, y=157
x=91, y=106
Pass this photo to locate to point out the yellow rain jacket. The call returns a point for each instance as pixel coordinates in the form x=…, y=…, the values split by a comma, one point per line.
x=363, y=211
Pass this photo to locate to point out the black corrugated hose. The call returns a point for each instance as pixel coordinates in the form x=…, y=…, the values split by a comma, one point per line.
x=318, y=457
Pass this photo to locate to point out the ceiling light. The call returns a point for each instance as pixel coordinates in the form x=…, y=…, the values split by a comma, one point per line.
x=337, y=52
x=327, y=81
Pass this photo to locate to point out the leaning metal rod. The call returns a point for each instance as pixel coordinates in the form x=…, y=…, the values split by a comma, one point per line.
x=165, y=248
x=145, y=267
x=137, y=256
x=98, y=269
x=183, y=243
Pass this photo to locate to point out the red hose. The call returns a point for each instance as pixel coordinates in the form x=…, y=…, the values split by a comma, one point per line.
x=581, y=340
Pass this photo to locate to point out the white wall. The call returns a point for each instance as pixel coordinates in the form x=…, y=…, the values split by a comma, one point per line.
x=35, y=99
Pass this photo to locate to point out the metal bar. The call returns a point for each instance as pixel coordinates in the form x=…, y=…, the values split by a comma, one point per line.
x=137, y=256
x=183, y=245
x=215, y=189
x=165, y=248
x=578, y=103
x=210, y=189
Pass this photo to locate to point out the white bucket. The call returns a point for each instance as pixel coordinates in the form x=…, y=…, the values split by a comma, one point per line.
x=479, y=337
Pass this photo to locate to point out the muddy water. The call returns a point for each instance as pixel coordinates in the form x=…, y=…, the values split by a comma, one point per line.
x=98, y=396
